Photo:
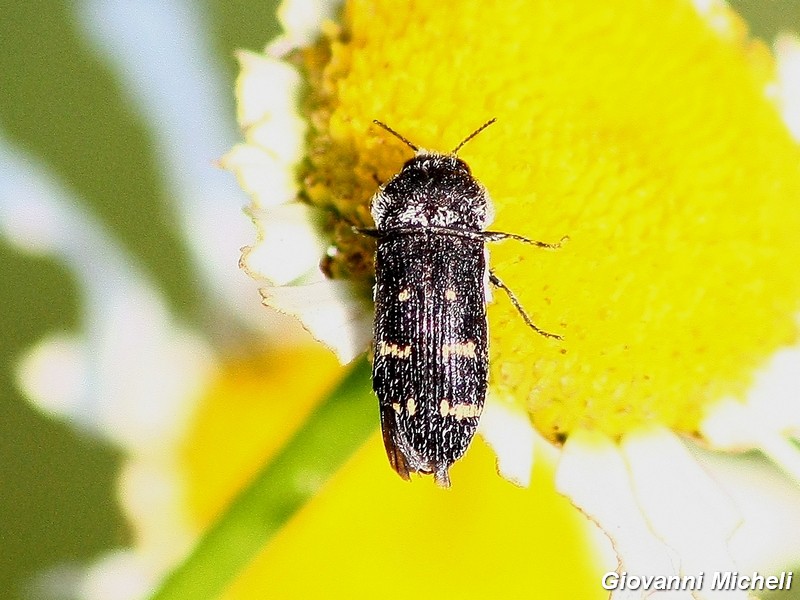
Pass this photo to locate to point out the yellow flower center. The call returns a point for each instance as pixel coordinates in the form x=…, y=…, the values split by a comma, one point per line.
x=637, y=130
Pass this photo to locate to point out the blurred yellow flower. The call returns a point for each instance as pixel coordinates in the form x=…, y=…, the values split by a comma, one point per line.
x=367, y=532
x=248, y=414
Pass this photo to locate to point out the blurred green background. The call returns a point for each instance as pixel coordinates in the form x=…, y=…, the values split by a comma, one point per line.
x=62, y=104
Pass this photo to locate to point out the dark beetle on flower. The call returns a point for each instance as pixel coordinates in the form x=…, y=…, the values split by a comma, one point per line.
x=430, y=366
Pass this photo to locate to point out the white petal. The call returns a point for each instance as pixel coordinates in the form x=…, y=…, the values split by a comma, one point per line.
x=775, y=395
x=133, y=370
x=152, y=493
x=281, y=136
x=510, y=434
x=592, y=472
x=267, y=181
x=152, y=369
x=120, y=575
x=28, y=218
x=302, y=23
x=683, y=506
x=719, y=17
x=787, y=53
x=267, y=92
x=288, y=246
x=662, y=511
x=57, y=582
x=54, y=374
x=770, y=506
x=767, y=419
x=330, y=312
x=161, y=52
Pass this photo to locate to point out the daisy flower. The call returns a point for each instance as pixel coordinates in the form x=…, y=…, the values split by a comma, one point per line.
x=197, y=405
x=655, y=140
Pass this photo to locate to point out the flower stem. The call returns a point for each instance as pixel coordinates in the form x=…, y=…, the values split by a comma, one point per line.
x=338, y=427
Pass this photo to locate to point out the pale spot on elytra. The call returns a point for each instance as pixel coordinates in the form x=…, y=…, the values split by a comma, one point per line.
x=404, y=295
x=394, y=350
x=411, y=405
x=450, y=295
x=466, y=349
x=460, y=411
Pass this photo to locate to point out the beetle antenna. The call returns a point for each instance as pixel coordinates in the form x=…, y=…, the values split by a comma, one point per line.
x=473, y=134
x=397, y=135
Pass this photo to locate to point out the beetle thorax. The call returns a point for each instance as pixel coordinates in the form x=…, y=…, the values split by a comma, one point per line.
x=432, y=190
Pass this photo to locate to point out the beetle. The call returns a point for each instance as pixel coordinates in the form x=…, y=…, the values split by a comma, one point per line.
x=432, y=284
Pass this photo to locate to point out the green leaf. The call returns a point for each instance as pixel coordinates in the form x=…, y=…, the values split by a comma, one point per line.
x=338, y=427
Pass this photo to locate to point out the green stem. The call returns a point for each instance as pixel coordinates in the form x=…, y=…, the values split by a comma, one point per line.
x=337, y=428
